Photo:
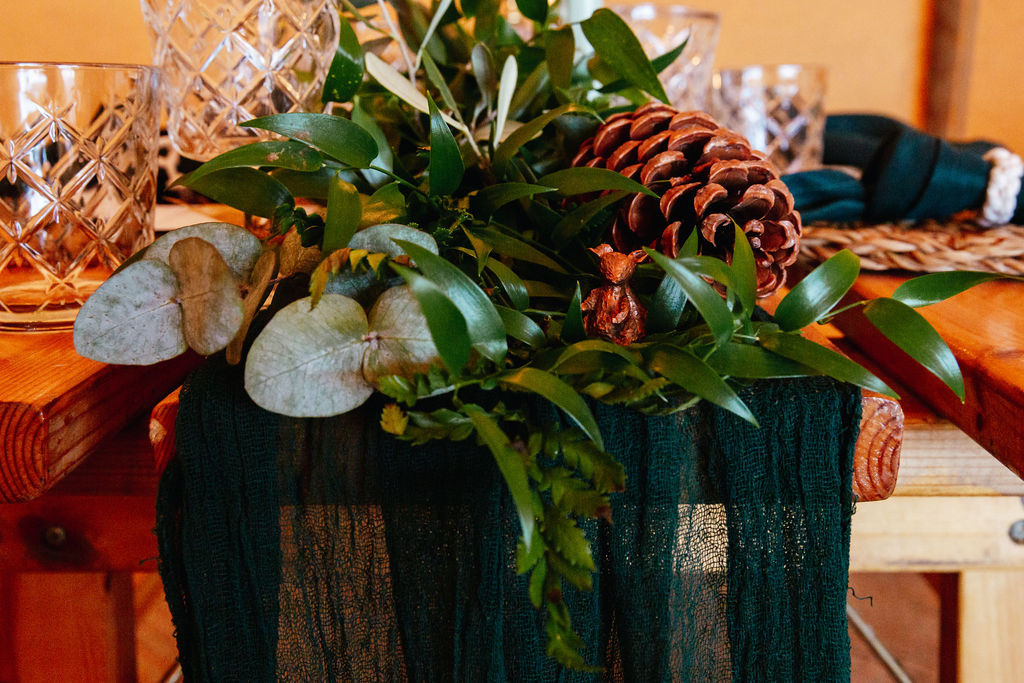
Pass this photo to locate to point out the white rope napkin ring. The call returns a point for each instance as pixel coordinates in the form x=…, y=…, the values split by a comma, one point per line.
x=1003, y=187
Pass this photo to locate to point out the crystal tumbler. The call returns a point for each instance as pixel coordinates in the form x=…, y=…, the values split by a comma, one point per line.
x=780, y=109
x=227, y=61
x=78, y=149
x=662, y=28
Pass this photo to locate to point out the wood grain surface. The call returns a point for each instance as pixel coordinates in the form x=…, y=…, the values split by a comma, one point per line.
x=55, y=406
x=984, y=327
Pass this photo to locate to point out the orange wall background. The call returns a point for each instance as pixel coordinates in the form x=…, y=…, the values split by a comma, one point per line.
x=874, y=49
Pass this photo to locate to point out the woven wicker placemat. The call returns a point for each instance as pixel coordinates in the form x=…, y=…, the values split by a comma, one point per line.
x=928, y=246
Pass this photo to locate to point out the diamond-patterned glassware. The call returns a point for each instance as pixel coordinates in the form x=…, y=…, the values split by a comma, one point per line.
x=227, y=61
x=78, y=149
x=661, y=29
x=779, y=109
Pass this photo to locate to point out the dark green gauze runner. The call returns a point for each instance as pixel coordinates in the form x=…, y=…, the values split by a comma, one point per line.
x=325, y=550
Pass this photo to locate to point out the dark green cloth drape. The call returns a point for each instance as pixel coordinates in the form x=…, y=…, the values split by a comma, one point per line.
x=324, y=550
x=906, y=174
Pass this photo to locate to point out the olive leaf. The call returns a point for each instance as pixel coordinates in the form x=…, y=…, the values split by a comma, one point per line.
x=133, y=318
x=211, y=304
x=326, y=361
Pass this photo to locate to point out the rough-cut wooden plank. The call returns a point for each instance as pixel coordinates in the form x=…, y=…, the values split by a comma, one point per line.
x=876, y=458
x=991, y=626
x=55, y=406
x=161, y=429
x=930, y=534
x=985, y=330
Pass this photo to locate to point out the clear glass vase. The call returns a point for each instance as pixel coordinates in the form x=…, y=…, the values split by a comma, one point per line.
x=227, y=61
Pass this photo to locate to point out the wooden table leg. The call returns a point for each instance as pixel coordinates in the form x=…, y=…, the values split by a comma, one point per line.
x=991, y=625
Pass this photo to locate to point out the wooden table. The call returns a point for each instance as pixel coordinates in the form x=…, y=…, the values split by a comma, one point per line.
x=955, y=504
x=99, y=518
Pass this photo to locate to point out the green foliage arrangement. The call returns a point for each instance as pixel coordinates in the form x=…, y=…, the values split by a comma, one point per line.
x=451, y=259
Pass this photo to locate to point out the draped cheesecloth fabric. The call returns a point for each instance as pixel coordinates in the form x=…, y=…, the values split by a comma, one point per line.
x=324, y=550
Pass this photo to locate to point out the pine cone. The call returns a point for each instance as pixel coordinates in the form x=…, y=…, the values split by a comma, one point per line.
x=707, y=176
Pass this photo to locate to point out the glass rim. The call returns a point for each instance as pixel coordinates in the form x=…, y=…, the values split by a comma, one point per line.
x=674, y=9
x=80, y=66
x=773, y=67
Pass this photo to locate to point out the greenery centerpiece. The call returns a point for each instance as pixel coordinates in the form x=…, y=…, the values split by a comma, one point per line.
x=459, y=255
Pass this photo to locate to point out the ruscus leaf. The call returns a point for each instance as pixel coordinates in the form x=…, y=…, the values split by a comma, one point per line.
x=344, y=209
x=245, y=189
x=558, y=392
x=707, y=301
x=697, y=377
x=616, y=44
x=932, y=288
x=445, y=166
x=345, y=74
x=335, y=136
x=583, y=179
x=814, y=296
x=908, y=329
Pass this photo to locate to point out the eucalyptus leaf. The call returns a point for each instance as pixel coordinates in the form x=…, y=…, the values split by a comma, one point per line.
x=274, y=153
x=344, y=211
x=399, y=341
x=572, y=327
x=447, y=325
x=345, y=74
x=908, y=329
x=814, y=296
x=335, y=136
x=308, y=363
x=932, y=288
x=239, y=248
x=133, y=318
x=211, y=304
x=381, y=239
x=295, y=258
x=506, y=89
x=256, y=294
x=510, y=145
x=245, y=189
x=826, y=361
x=521, y=327
x=571, y=182
x=486, y=330
x=558, y=392
x=616, y=44
x=445, y=166
x=707, y=301
x=511, y=466
x=691, y=373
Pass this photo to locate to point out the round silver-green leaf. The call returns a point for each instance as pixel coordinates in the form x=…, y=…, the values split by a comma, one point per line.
x=308, y=363
x=133, y=318
x=239, y=247
x=399, y=342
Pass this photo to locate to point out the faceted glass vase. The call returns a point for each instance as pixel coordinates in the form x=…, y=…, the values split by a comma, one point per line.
x=78, y=149
x=227, y=61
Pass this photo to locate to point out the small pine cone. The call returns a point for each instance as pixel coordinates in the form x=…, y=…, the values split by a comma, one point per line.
x=707, y=177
